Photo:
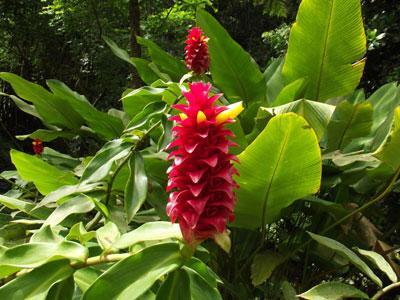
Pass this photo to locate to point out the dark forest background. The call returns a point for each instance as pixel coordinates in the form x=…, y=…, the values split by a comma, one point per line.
x=43, y=39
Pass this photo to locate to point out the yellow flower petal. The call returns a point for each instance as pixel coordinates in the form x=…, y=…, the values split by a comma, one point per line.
x=183, y=116
x=201, y=117
x=232, y=112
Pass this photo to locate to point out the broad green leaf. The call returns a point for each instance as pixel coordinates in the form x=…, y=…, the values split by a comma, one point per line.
x=131, y=277
x=389, y=152
x=67, y=190
x=380, y=262
x=36, y=284
x=47, y=135
x=176, y=286
x=347, y=253
x=35, y=254
x=63, y=290
x=326, y=46
x=100, y=165
x=136, y=100
x=274, y=80
x=59, y=159
x=77, y=205
x=46, y=177
x=105, y=125
x=165, y=61
x=136, y=186
x=84, y=278
x=333, y=291
x=199, y=288
x=233, y=69
x=141, y=65
x=384, y=100
x=281, y=165
x=151, y=231
x=291, y=92
x=315, y=113
x=51, y=108
x=288, y=292
x=46, y=235
x=348, y=123
x=107, y=235
x=79, y=233
x=263, y=265
x=152, y=111
x=25, y=206
x=204, y=271
x=25, y=107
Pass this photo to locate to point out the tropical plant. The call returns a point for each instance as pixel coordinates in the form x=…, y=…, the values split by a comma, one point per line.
x=316, y=164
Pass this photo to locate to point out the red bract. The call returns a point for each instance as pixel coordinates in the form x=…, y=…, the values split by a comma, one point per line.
x=196, y=51
x=37, y=146
x=200, y=178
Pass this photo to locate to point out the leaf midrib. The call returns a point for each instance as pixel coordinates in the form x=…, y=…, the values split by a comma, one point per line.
x=267, y=191
x=324, y=51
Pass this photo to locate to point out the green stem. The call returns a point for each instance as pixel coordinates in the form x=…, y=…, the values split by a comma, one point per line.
x=386, y=289
x=101, y=259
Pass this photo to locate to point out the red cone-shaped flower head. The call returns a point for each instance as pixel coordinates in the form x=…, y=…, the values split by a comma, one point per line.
x=37, y=146
x=196, y=51
x=200, y=179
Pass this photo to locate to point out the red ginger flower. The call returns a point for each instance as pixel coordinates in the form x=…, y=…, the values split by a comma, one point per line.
x=37, y=146
x=200, y=178
x=196, y=51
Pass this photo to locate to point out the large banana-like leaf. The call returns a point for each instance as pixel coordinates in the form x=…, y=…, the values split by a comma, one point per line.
x=233, y=69
x=326, y=45
x=282, y=164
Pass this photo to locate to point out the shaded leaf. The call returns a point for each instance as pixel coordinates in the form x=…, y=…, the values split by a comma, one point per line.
x=263, y=265
x=333, y=291
x=380, y=262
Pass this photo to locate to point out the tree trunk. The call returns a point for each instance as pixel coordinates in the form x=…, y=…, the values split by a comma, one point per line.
x=134, y=24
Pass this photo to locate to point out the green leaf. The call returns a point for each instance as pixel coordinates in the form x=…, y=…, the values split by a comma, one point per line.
x=291, y=92
x=389, y=152
x=51, y=108
x=151, y=231
x=46, y=177
x=165, y=61
x=36, y=284
x=136, y=186
x=25, y=206
x=281, y=165
x=274, y=80
x=380, y=262
x=68, y=190
x=100, y=165
x=333, y=291
x=348, y=123
x=315, y=113
x=233, y=70
x=199, y=288
x=136, y=100
x=288, y=292
x=176, y=286
x=79, y=233
x=347, y=253
x=263, y=265
x=84, y=278
x=77, y=205
x=107, y=235
x=46, y=235
x=35, y=254
x=105, y=125
x=384, y=101
x=63, y=290
x=326, y=45
x=47, y=135
x=141, y=65
x=152, y=111
x=131, y=277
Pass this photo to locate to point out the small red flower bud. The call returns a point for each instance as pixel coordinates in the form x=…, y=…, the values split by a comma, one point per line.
x=196, y=51
x=200, y=179
x=37, y=146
